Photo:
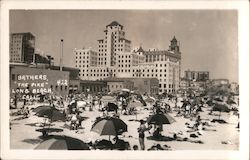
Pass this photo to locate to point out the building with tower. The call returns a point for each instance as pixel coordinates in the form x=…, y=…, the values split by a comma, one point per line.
x=116, y=59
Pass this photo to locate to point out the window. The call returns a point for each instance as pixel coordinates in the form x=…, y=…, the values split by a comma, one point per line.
x=13, y=77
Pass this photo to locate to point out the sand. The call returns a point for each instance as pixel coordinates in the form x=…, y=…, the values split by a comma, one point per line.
x=24, y=136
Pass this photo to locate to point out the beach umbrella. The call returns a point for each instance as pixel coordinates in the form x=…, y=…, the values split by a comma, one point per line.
x=220, y=108
x=51, y=112
x=125, y=90
x=62, y=143
x=111, y=107
x=230, y=101
x=210, y=102
x=218, y=99
x=81, y=104
x=150, y=100
x=42, y=107
x=108, y=99
x=109, y=126
x=160, y=118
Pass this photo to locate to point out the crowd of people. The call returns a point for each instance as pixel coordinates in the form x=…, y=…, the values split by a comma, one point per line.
x=74, y=105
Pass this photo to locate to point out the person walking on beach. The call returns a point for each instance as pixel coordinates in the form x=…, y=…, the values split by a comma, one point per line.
x=141, y=131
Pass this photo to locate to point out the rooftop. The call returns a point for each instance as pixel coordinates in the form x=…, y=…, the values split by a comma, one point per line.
x=114, y=23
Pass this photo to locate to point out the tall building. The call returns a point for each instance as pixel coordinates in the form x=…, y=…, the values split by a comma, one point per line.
x=116, y=59
x=22, y=47
x=114, y=41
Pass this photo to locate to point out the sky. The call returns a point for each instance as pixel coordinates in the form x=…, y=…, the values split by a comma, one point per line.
x=208, y=38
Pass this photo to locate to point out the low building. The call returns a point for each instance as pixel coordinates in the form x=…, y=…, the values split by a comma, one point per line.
x=26, y=81
x=148, y=86
x=216, y=82
x=93, y=86
x=115, y=84
x=234, y=87
x=196, y=75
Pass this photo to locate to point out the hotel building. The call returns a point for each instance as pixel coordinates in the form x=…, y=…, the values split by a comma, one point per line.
x=116, y=59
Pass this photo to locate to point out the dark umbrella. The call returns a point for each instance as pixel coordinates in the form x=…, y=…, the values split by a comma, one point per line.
x=210, y=102
x=111, y=107
x=42, y=107
x=218, y=99
x=51, y=112
x=62, y=143
x=231, y=102
x=220, y=108
x=109, y=126
x=160, y=118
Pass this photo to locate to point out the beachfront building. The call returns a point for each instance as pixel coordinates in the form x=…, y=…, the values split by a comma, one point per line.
x=149, y=86
x=29, y=82
x=22, y=47
x=93, y=86
x=196, y=75
x=115, y=58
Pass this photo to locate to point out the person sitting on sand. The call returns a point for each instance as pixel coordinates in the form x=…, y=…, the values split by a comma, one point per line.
x=120, y=144
x=26, y=112
x=135, y=147
x=156, y=133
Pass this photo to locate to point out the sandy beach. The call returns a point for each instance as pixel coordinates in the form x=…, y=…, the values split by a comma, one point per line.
x=23, y=134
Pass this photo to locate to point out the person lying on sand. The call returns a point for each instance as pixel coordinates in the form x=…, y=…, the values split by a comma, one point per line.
x=178, y=138
x=159, y=147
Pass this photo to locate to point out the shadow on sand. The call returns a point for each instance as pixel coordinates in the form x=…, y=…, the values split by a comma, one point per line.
x=32, y=141
x=161, y=138
x=167, y=139
x=39, y=124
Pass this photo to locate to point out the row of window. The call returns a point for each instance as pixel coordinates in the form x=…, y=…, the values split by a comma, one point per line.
x=169, y=91
x=82, y=61
x=114, y=86
x=56, y=88
x=82, y=66
x=148, y=75
x=97, y=75
x=15, y=59
x=83, y=57
x=124, y=56
x=101, y=50
x=84, y=53
x=165, y=86
x=124, y=65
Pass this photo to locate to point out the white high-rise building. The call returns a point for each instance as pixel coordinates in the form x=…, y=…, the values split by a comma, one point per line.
x=115, y=59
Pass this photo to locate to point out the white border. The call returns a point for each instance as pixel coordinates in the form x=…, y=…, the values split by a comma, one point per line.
x=243, y=46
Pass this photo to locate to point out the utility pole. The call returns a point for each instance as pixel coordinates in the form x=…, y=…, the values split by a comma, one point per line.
x=61, y=55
